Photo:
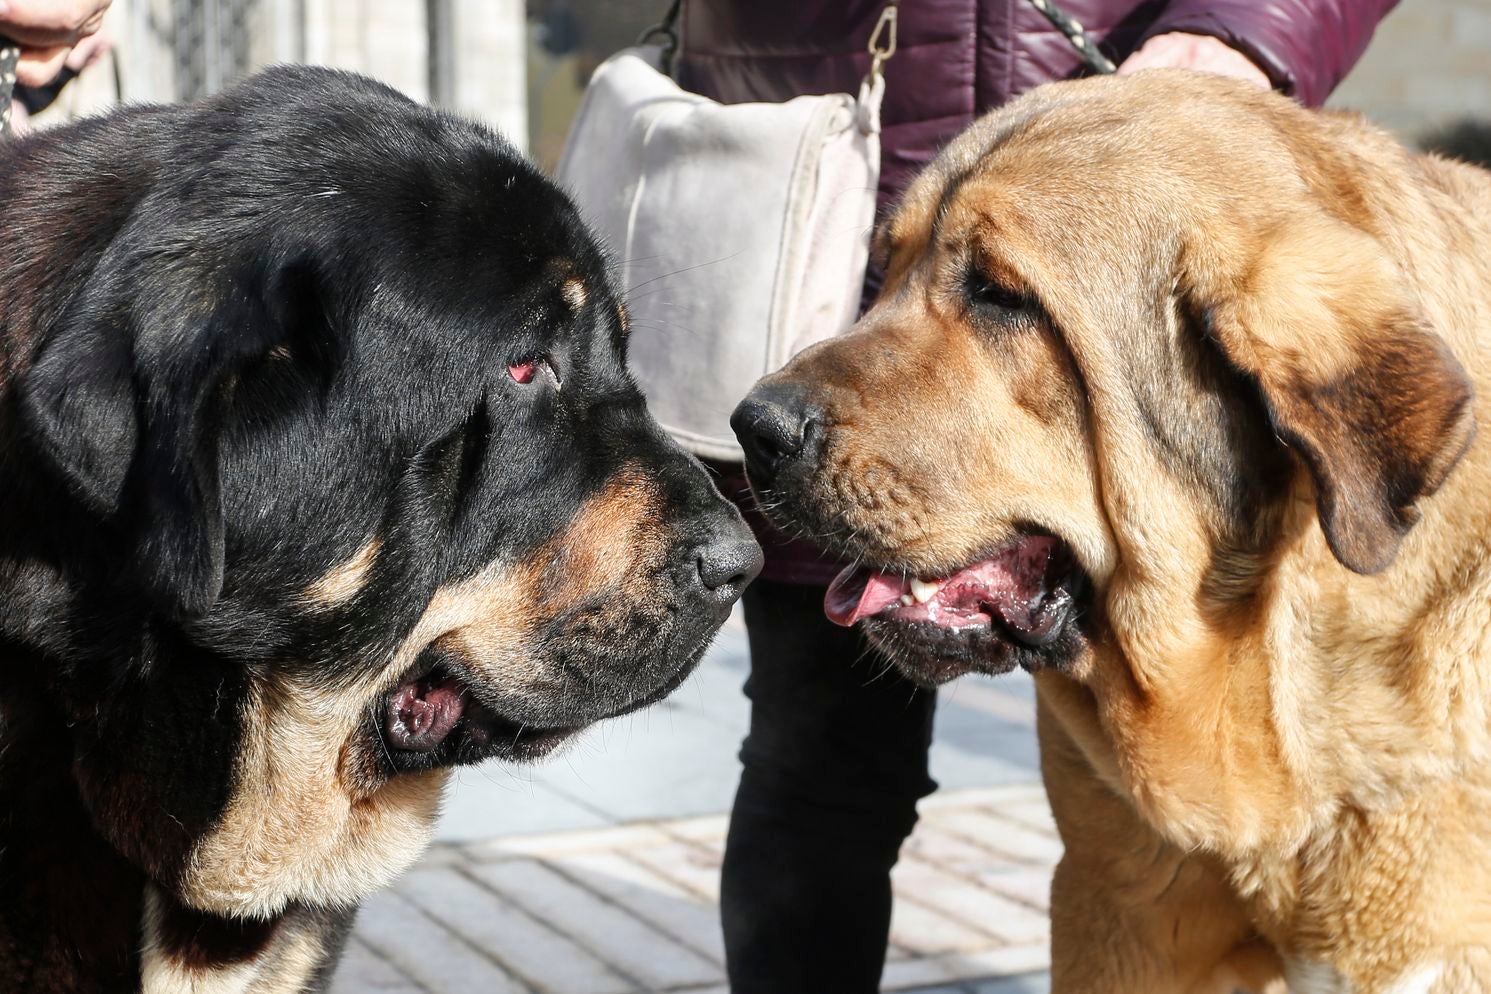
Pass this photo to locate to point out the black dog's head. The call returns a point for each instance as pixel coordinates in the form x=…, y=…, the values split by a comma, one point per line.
x=321, y=471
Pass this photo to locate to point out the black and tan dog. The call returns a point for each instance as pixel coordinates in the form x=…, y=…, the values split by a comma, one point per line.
x=320, y=471
x=1170, y=398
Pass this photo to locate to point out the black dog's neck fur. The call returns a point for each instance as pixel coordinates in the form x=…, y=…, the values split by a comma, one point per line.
x=75, y=916
x=71, y=918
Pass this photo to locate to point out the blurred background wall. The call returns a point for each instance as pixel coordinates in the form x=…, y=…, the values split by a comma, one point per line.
x=466, y=55
x=1429, y=64
x=522, y=66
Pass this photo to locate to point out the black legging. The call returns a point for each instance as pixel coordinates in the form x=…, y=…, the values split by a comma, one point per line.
x=835, y=762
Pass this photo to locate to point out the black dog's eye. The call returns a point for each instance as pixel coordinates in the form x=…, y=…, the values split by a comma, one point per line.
x=530, y=369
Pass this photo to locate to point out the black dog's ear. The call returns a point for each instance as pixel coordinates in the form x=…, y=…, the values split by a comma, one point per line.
x=78, y=401
x=125, y=400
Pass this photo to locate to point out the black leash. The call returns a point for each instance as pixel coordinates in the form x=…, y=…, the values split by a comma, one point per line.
x=1077, y=35
x=10, y=54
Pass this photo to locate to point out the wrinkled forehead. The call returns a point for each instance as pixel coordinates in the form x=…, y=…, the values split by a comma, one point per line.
x=1121, y=152
x=929, y=196
x=561, y=305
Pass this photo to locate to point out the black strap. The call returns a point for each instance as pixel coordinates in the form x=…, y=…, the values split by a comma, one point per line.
x=668, y=28
x=1077, y=35
x=10, y=54
x=1064, y=22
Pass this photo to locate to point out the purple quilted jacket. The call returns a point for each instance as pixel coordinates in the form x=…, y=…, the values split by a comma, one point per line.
x=959, y=58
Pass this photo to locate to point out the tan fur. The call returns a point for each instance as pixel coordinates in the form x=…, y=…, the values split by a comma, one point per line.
x=285, y=966
x=160, y=973
x=298, y=828
x=342, y=582
x=574, y=293
x=295, y=961
x=572, y=289
x=309, y=819
x=1264, y=763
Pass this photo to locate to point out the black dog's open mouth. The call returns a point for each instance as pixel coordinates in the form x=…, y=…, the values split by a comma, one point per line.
x=1015, y=607
x=432, y=718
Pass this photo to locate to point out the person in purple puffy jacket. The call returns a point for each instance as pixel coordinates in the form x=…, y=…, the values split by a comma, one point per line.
x=836, y=756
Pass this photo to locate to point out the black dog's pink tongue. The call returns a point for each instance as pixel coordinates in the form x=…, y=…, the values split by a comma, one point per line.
x=858, y=593
x=421, y=714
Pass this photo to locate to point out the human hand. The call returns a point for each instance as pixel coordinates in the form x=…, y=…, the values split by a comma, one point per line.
x=1203, y=53
x=47, y=30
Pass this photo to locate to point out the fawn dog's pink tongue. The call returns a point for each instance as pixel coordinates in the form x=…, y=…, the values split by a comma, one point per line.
x=858, y=593
x=1012, y=584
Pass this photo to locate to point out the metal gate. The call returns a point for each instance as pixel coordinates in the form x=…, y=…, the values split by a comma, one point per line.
x=468, y=55
x=210, y=41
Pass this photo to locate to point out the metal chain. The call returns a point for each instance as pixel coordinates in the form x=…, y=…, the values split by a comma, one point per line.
x=9, y=55
x=1077, y=35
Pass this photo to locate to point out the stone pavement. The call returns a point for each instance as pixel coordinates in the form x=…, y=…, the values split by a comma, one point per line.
x=598, y=872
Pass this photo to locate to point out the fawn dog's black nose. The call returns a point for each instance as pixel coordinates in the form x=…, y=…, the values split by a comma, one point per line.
x=775, y=425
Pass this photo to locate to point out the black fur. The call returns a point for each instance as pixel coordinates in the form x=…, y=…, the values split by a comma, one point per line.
x=238, y=340
x=1468, y=140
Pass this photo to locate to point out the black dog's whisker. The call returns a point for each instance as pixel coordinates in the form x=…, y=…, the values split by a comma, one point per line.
x=685, y=269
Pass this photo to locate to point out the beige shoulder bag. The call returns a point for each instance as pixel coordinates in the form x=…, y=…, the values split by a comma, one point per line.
x=742, y=230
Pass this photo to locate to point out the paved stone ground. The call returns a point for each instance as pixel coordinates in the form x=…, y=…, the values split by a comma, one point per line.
x=598, y=873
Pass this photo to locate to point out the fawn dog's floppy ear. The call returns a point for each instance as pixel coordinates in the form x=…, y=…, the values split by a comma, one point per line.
x=1351, y=373
x=124, y=401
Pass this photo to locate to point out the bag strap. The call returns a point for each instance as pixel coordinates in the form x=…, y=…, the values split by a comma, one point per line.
x=668, y=29
x=882, y=38
x=1077, y=35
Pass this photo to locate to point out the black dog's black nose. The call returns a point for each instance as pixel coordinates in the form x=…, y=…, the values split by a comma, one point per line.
x=727, y=564
x=773, y=425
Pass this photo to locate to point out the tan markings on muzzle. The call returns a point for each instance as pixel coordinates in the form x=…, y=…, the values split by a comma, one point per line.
x=489, y=617
x=615, y=541
x=305, y=823
x=342, y=582
x=615, y=533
